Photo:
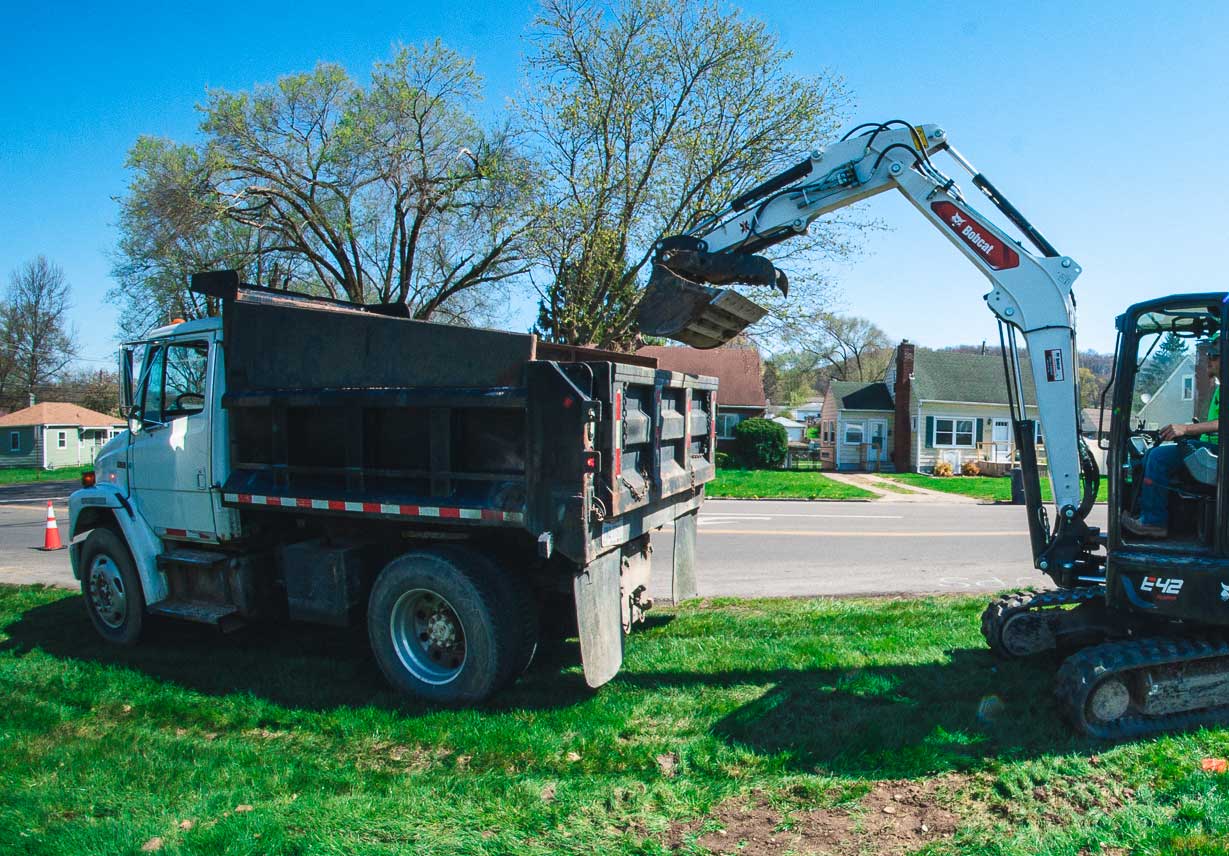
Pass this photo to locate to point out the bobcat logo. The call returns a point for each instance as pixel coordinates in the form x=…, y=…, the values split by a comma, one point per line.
x=957, y=220
x=1224, y=591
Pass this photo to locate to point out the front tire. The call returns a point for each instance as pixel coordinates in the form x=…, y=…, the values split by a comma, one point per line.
x=111, y=587
x=443, y=626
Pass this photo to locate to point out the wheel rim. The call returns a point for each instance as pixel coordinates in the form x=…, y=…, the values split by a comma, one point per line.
x=107, y=593
x=428, y=636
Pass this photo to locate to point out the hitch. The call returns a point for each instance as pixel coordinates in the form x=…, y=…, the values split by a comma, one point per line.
x=678, y=305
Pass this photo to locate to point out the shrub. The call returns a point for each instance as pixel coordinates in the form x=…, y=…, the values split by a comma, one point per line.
x=970, y=468
x=761, y=443
x=942, y=468
x=724, y=461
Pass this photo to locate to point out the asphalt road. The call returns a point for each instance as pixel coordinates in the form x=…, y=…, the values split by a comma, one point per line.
x=785, y=549
x=746, y=548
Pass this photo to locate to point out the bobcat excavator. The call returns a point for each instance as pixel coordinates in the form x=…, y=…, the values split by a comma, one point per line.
x=1139, y=622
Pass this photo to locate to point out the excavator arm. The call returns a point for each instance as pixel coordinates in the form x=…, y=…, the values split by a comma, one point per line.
x=1030, y=294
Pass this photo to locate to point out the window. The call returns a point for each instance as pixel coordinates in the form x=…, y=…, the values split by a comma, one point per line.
x=854, y=432
x=61, y=440
x=953, y=432
x=726, y=423
x=14, y=441
x=175, y=382
x=1188, y=387
x=913, y=424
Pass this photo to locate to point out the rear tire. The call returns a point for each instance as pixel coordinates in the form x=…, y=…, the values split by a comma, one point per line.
x=447, y=625
x=114, y=599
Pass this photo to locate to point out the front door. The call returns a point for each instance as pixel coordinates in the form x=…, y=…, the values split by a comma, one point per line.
x=1000, y=436
x=878, y=429
x=169, y=455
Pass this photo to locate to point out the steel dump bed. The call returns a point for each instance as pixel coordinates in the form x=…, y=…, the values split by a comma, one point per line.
x=336, y=409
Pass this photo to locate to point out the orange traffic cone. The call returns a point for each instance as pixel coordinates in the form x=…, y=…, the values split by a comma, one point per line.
x=51, y=541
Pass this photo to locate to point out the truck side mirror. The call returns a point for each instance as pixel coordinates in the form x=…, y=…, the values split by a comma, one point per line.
x=126, y=406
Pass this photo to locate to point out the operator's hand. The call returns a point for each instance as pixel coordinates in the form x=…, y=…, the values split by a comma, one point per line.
x=1174, y=432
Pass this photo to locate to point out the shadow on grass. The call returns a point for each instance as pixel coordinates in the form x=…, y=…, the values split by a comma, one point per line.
x=892, y=721
x=964, y=712
x=301, y=666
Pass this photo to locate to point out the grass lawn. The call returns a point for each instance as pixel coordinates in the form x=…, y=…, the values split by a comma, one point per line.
x=24, y=475
x=754, y=727
x=790, y=484
x=983, y=487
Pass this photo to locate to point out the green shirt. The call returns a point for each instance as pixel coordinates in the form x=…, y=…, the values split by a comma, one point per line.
x=1213, y=415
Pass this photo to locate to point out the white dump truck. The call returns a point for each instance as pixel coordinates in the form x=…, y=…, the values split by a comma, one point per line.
x=320, y=461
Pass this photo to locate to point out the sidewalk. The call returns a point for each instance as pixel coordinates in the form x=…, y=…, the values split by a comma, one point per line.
x=897, y=492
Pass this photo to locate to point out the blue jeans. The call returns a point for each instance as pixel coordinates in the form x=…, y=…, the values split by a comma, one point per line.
x=1162, y=463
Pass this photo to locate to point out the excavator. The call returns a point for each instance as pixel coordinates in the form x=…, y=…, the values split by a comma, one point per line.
x=1138, y=623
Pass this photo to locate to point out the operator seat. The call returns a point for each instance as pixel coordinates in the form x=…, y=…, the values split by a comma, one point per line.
x=1201, y=465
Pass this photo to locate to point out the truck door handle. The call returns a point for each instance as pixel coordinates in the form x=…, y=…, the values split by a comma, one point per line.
x=200, y=479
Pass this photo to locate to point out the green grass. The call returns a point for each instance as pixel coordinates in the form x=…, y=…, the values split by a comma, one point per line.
x=994, y=489
x=792, y=705
x=27, y=475
x=786, y=484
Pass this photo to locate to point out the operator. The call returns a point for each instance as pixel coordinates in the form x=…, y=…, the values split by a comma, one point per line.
x=1163, y=462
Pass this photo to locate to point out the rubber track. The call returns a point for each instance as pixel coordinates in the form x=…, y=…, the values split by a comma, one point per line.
x=999, y=611
x=1080, y=673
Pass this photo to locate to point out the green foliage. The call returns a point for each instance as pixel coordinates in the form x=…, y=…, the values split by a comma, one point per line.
x=645, y=115
x=388, y=192
x=724, y=460
x=760, y=443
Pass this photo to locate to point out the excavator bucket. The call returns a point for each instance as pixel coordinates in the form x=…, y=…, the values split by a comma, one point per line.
x=696, y=315
x=677, y=305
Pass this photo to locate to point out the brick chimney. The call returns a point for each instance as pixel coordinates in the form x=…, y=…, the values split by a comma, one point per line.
x=903, y=452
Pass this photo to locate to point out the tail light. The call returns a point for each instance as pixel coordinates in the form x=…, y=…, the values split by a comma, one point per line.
x=592, y=462
x=88, y=479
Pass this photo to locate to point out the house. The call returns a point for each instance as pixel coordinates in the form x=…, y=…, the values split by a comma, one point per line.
x=810, y=411
x=54, y=434
x=740, y=390
x=794, y=431
x=1174, y=399
x=932, y=406
x=856, y=430
x=953, y=406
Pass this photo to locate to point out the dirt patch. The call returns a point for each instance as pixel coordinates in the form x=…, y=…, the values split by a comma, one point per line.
x=894, y=818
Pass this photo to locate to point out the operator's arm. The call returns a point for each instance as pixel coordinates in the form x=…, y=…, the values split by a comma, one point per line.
x=1179, y=430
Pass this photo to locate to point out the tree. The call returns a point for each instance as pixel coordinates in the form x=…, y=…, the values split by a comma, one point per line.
x=390, y=193
x=94, y=389
x=843, y=347
x=36, y=343
x=761, y=443
x=648, y=114
x=1171, y=350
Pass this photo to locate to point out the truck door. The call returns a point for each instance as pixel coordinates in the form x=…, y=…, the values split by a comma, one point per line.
x=169, y=458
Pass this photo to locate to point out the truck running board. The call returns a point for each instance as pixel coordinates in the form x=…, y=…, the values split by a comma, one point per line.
x=223, y=616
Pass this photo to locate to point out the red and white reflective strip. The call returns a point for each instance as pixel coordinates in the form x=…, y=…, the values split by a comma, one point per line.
x=618, y=433
x=189, y=535
x=383, y=508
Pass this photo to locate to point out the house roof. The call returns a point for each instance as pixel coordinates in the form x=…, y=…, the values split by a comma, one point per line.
x=955, y=376
x=1089, y=417
x=58, y=413
x=787, y=422
x=857, y=395
x=741, y=382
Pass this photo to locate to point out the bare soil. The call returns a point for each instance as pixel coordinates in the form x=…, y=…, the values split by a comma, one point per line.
x=893, y=819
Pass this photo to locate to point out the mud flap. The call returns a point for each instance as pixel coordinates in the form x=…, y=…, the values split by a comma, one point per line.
x=599, y=617
x=683, y=573
x=696, y=315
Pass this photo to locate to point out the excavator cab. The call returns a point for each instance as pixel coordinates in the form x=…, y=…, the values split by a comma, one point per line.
x=1165, y=374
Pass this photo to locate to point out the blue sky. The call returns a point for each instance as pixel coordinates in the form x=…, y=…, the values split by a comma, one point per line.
x=1102, y=121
